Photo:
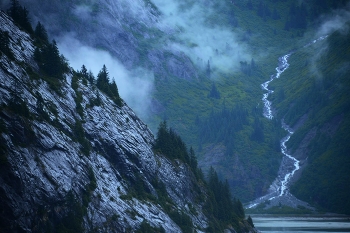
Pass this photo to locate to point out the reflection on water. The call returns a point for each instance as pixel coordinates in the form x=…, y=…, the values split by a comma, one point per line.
x=301, y=224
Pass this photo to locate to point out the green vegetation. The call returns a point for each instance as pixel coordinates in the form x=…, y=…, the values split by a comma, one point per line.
x=250, y=221
x=163, y=197
x=73, y=220
x=224, y=109
x=20, y=14
x=20, y=112
x=222, y=126
x=318, y=89
x=219, y=113
x=170, y=144
x=89, y=188
x=52, y=64
x=219, y=206
x=50, y=61
x=79, y=96
x=196, y=108
x=40, y=104
x=110, y=88
x=5, y=44
x=79, y=134
x=70, y=217
x=182, y=220
x=145, y=227
x=19, y=107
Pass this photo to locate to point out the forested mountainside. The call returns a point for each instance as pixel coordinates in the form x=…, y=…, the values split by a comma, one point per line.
x=317, y=104
x=199, y=65
x=75, y=158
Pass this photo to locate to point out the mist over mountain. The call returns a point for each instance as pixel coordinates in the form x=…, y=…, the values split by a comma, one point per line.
x=199, y=65
x=74, y=157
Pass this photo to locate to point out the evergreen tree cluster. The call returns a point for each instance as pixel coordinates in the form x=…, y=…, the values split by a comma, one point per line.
x=258, y=133
x=221, y=205
x=46, y=54
x=328, y=153
x=182, y=220
x=50, y=61
x=297, y=18
x=214, y=93
x=20, y=15
x=222, y=126
x=110, y=88
x=263, y=10
x=40, y=33
x=145, y=227
x=248, y=68
x=86, y=75
x=170, y=144
x=79, y=134
x=5, y=44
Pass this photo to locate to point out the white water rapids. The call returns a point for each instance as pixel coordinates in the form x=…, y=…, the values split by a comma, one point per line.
x=282, y=66
x=289, y=164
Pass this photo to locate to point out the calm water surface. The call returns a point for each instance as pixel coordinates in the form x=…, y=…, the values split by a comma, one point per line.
x=301, y=224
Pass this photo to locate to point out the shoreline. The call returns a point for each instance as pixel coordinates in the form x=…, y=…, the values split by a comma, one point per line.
x=325, y=215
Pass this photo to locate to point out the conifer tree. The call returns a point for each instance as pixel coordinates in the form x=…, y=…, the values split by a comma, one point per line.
x=20, y=15
x=103, y=80
x=5, y=44
x=50, y=60
x=91, y=77
x=208, y=70
x=214, y=93
x=41, y=33
x=84, y=71
x=111, y=89
x=193, y=160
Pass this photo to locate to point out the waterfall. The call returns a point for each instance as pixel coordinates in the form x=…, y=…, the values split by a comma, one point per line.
x=289, y=164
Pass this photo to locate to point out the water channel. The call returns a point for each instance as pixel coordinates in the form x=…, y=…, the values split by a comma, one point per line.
x=279, y=189
x=301, y=224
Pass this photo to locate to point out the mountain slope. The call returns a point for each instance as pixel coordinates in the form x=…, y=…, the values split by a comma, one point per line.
x=145, y=38
x=316, y=104
x=327, y=148
x=72, y=160
x=143, y=34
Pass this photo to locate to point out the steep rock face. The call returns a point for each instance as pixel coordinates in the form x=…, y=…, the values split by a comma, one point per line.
x=46, y=169
x=132, y=31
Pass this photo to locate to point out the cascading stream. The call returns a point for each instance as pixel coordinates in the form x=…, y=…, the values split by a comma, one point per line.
x=282, y=66
x=289, y=164
x=296, y=162
x=279, y=186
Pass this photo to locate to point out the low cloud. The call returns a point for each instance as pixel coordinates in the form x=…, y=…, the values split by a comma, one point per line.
x=135, y=87
x=200, y=39
x=83, y=11
x=338, y=21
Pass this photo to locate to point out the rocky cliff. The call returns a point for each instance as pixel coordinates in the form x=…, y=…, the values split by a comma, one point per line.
x=67, y=170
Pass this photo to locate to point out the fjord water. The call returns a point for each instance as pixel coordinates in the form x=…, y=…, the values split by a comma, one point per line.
x=274, y=224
